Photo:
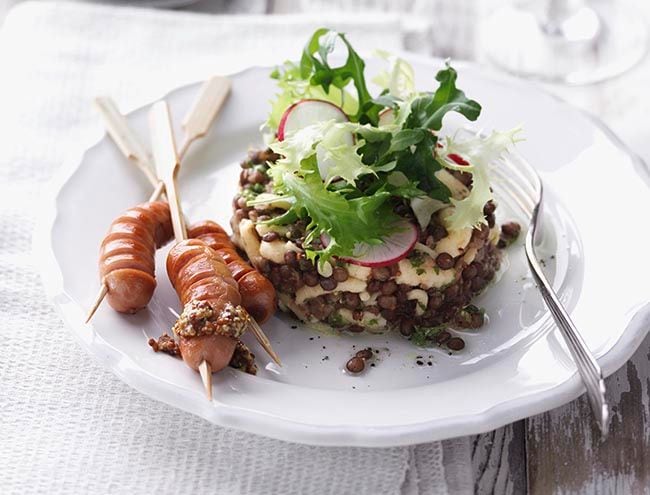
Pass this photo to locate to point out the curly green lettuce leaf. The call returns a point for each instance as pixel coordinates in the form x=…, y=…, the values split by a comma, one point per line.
x=337, y=158
x=481, y=153
x=347, y=222
x=331, y=143
x=398, y=79
x=427, y=111
x=315, y=66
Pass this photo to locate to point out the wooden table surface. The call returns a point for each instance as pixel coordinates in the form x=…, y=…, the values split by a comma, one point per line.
x=560, y=451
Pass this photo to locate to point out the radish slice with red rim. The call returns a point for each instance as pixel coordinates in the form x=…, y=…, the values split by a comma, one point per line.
x=393, y=248
x=386, y=117
x=304, y=113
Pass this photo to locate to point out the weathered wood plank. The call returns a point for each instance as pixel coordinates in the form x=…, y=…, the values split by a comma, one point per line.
x=498, y=461
x=567, y=455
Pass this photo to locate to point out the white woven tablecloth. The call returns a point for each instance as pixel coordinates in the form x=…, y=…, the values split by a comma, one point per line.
x=67, y=425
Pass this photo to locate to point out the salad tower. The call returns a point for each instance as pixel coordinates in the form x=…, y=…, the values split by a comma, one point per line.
x=361, y=212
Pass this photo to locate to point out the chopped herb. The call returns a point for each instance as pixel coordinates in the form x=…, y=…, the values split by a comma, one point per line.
x=416, y=259
x=422, y=336
x=336, y=320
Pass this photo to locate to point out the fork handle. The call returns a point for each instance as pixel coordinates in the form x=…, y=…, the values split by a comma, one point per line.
x=587, y=365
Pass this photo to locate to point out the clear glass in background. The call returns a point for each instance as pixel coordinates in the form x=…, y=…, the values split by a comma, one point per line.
x=564, y=41
x=420, y=19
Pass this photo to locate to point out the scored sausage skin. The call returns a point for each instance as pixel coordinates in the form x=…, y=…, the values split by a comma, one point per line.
x=127, y=255
x=212, y=319
x=198, y=273
x=257, y=293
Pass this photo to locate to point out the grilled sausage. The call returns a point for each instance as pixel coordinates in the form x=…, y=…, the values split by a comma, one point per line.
x=212, y=319
x=257, y=293
x=127, y=255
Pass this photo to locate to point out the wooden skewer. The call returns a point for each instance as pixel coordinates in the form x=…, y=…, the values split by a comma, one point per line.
x=125, y=139
x=206, y=378
x=167, y=165
x=103, y=290
x=196, y=124
x=263, y=340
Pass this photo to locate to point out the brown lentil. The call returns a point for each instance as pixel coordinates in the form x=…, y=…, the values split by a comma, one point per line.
x=351, y=300
x=470, y=272
x=270, y=237
x=290, y=258
x=442, y=337
x=310, y=279
x=489, y=208
x=435, y=300
x=256, y=177
x=438, y=232
x=388, y=288
x=355, y=365
x=305, y=265
x=382, y=274
x=478, y=283
x=445, y=261
x=340, y=274
x=328, y=283
x=387, y=302
x=364, y=354
x=406, y=328
x=511, y=230
x=373, y=286
x=456, y=344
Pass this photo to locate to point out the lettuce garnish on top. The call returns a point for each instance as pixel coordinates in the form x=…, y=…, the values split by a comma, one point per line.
x=351, y=201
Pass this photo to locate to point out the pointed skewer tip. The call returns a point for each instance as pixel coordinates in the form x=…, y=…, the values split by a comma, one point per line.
x=263, y=340
x=206, y=378
x=98, y=300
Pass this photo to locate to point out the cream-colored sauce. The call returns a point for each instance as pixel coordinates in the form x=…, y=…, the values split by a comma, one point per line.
x=424, y=275
x=250, y=242
x=275, y=250
x=469, y=256
x=357, y=271
x=495, y=233
x=456, y=241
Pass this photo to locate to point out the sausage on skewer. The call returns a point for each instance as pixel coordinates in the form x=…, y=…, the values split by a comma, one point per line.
x=212, y=320
x=257, y=293
x=127, y=255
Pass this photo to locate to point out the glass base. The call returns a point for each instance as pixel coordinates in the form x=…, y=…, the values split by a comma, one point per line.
x=593, y=44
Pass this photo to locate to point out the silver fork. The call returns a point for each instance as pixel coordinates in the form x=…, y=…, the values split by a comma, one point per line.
x=524, y=186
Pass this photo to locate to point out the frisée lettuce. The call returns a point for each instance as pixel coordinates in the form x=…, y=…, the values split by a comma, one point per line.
x=348, y=178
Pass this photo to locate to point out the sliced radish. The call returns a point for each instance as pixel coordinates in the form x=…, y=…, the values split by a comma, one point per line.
x=395, y=247
x=457, y=159
x=307, y=112
x=386, y=117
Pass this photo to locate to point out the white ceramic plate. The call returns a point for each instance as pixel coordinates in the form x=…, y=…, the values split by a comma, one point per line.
x=516, y=366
